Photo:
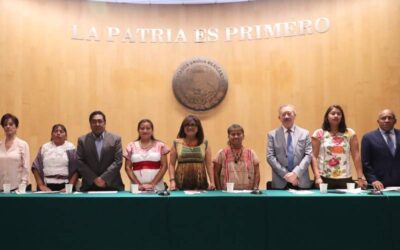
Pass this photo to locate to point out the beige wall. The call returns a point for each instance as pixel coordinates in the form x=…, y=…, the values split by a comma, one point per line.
x=46, y=77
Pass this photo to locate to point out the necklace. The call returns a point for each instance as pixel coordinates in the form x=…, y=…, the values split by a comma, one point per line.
x=237, y=155
x=191, y=144
x=147, y=146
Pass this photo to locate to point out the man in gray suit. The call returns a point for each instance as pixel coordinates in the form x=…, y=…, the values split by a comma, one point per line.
x=289, y=152
x=100, y=157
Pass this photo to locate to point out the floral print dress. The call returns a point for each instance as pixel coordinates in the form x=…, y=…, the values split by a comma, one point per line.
x=334, y=153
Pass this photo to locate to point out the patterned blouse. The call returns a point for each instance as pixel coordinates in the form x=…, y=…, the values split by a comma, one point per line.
x=146, y=163
x=151, y=156
x=240, y=171
x=334, y=153
x=190, y=173
x=55, y=164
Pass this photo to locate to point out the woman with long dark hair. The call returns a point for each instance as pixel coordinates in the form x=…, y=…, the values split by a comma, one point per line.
x=333, y=147
x=146, y=158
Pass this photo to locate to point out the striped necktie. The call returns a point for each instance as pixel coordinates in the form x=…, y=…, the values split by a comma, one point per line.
x=390, y=142
x=290, y=153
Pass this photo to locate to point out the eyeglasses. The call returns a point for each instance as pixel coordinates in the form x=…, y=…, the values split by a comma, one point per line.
x=193, y=125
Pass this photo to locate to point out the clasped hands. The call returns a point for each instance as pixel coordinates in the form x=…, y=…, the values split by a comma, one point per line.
x=100, y=182
x=292, y=178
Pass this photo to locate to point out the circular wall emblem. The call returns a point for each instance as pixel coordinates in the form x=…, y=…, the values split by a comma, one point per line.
x=200, y=84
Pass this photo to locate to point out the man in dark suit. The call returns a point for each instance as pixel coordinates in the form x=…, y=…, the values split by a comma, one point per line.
x=380, y=152
x=100, y=157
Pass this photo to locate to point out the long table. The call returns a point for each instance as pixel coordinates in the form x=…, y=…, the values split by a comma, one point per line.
x=216, y=220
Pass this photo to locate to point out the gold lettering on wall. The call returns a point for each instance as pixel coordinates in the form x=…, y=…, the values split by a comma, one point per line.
x=201, y=35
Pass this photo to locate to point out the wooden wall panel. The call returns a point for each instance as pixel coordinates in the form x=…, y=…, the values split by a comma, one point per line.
x=46, y=77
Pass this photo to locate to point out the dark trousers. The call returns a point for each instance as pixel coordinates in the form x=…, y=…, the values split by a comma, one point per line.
x=28, y=188
x=290, y=186
x=55, y=187
x=337, y=183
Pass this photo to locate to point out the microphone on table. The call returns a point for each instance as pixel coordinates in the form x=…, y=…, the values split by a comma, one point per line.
x=256, y=191
x=163, y=193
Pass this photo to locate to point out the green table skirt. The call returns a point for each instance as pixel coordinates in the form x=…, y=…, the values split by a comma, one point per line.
x=275, y=220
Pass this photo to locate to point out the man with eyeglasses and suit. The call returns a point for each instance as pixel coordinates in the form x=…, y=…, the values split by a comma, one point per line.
x=289, y=152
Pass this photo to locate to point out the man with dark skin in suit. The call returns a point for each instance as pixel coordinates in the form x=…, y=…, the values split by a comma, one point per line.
x=380, y=152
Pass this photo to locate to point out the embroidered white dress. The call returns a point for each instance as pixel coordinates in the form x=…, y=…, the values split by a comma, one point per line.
x=55, y=161
x=146, y=162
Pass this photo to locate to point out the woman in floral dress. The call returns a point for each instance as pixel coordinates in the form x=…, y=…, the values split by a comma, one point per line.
x=333, y=146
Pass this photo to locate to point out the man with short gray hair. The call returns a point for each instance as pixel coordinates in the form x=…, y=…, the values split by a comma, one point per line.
x=289, y=152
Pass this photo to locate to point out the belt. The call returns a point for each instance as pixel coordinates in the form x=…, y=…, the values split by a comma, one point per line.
x=57, y=176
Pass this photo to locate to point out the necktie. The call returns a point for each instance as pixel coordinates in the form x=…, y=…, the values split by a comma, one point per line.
x=99, y=145
x=390, y=142
x=290, y=153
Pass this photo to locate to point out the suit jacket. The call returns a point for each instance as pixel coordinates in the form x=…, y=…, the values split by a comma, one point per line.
x=378, y=163
x=278, y=160
x=107, y=167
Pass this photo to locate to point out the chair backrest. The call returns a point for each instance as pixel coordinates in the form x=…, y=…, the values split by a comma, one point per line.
x=269, y=185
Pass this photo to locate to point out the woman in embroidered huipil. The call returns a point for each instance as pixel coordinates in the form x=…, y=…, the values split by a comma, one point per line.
x=333, y=147
x=146, y=159
x=55, y=164
x=236, y=163
x=14, y=155
x=191, y=155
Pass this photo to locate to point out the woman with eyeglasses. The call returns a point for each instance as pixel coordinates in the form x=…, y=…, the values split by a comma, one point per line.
x=191, y=155
x=333, y=146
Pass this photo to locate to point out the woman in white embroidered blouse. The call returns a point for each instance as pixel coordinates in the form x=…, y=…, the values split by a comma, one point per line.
x=146, y=158
x=14, y=155
x=333, y=147
x=55, y=164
